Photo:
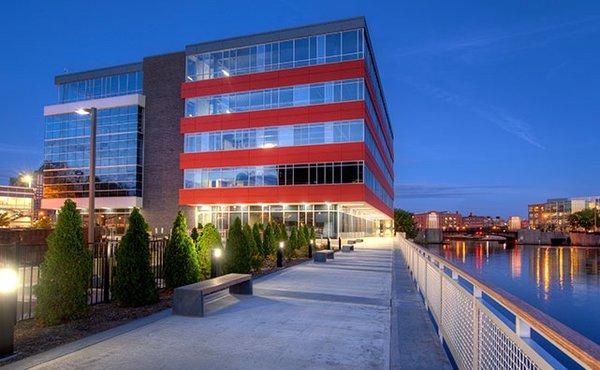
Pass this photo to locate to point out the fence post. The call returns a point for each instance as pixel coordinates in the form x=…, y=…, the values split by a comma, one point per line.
x=106, y=274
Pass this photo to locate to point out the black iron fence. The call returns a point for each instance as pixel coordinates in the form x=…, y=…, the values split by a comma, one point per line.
x=26, y=259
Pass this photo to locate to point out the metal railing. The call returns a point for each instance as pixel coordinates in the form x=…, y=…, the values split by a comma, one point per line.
x=488, y=328
x=28, y=258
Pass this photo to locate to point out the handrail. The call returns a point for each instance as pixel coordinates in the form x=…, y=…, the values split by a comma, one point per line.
x=580, y=348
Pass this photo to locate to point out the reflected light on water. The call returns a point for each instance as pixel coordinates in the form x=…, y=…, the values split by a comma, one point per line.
x=564, y=282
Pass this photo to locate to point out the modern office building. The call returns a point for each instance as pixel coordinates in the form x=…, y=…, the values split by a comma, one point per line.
x=289, y=126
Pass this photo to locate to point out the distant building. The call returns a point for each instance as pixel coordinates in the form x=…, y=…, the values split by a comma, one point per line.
x=437, y=220
x=536, y=214
x=37, y=184
x=17, y=203
x=555, y=212
x=514, y=223
x=474, y=222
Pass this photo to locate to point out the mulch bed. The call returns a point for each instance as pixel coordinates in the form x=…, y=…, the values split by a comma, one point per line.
x=32, y=338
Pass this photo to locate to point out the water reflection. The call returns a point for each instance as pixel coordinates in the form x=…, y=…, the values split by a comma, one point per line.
x=564, y=282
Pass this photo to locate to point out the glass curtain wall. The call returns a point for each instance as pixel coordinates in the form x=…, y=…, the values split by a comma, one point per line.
x=329, y=220
x=299, y=52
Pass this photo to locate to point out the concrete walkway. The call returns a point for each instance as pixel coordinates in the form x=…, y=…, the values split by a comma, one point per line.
x=334, y=315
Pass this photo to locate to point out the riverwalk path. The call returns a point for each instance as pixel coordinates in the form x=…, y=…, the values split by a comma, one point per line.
x=359, y=311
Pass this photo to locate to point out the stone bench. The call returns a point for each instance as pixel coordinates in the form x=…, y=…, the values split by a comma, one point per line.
x=359, y=240
x=347, y=248
x=323, y=256
x=188, y=300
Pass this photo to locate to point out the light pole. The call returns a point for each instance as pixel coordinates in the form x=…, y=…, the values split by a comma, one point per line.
x=280, y=254
x=214, y=266
x=92, y=180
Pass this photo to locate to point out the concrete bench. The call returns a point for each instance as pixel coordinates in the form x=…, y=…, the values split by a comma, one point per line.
x=351, y=241
x=188, y=300
x=347, y=248
x=359, y=240
x=323, y=256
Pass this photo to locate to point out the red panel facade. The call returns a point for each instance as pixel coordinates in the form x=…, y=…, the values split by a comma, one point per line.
x=285, y=155
x=268, y=80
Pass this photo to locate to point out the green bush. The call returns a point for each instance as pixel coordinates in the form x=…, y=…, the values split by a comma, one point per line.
x=181, y=258
x=256, y=258
x=133, y=283
x=209, y=239
x=62, y=291
x=237, y=251
x=258, y=240
x=283, y=235
x=311, y=234
x=270, y=240
x=292, y=244
x=195, y=235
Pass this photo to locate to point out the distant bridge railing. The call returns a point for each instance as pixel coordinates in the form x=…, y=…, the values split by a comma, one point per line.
x=488, y=328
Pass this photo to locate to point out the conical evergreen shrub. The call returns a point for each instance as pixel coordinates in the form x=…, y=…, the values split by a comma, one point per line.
x=209, y=239
x=62, y=291
x=258, y=240
x=270, y=240
x=292, y=244
x=195, y=235
x=302, y=236
x=134, y=283
x=181, y=258
x=256, y=259
x=237, y=252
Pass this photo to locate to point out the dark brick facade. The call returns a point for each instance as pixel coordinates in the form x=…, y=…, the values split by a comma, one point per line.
x=163, y=142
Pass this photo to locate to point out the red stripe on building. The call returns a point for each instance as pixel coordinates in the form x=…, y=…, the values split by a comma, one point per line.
x=267, y=80
x=274, y=194
x=271, y=156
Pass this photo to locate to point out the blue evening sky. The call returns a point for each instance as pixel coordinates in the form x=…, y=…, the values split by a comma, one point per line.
x=494, y=104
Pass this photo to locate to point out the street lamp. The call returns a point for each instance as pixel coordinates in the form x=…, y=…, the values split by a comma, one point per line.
x=92, y=180
x=8, y=310
x=27, y=179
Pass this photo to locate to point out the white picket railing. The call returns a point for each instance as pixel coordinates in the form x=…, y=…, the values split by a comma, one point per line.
x=480, y=337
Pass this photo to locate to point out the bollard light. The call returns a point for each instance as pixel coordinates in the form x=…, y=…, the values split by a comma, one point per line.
x=8, y=310
x=214, y=262
x=8, y=280
x=310, y=247
x=280, y=254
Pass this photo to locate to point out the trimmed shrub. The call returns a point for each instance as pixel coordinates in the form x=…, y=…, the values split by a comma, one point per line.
x=292, y=244
x=283, y=235
x=181, y=258
x=195, y=235
x=258, y=240
x=270, y=240
x=256, y=258
x=237, y=253
x=209, y=239
x=312, y=234
x=65, y=274
x=133, y=283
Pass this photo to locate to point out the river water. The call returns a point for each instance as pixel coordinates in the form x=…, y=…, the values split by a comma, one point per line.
x=563, y=282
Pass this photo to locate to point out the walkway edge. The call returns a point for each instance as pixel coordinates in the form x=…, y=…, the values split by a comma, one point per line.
x=84, y=342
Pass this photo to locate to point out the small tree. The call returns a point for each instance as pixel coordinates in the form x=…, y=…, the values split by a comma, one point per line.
x=270, y=240
x=404, y=222
x=134, y=283
x=195, y=235
x=283, y=235
x=312, y=234
x=181, y=258
x=237, y=251
x=292, y=244
x=209, y=240
x=256, y=258
x=258, y=240
x=65, y=274
x=43, y=222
